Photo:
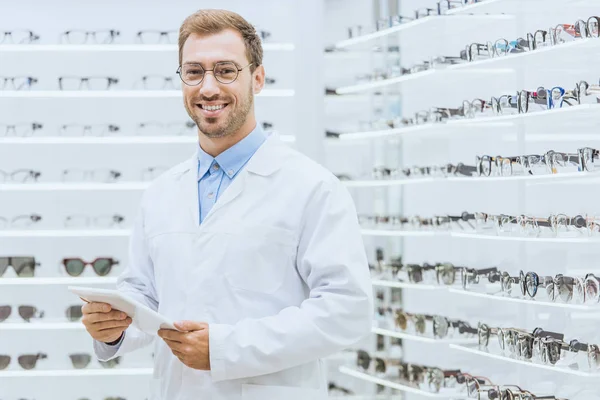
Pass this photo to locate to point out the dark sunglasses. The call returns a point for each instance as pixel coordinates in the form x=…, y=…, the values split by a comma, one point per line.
x=23, y=266
x=74, y=313
x=26, y=312
x=102, y=265
x=26, y=361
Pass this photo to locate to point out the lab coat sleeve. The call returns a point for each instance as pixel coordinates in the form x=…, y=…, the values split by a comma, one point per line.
x=337, y=313
x=137, y=282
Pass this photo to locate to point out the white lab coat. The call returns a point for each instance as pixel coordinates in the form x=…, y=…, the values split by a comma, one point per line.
x=277, y=269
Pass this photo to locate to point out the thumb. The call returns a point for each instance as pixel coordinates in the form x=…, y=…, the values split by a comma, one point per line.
x=189, y=326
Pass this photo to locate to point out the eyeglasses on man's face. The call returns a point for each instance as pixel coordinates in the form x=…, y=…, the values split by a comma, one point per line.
x=226, y=72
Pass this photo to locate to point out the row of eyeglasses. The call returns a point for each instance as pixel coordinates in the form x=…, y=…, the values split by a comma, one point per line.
x=554, y=225
x=150, y=128
x=78, y=221
x=146, y=82
x=524, y=101
x=558, y=288
x=105, y=36
x=442, y=7
x=560, y=34
x=585, y=159
x=540, y=345
x=99, y=175
x=433, y=379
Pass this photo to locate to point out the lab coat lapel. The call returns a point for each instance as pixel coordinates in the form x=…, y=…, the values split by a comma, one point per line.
x=189, y=189
x=264, y=162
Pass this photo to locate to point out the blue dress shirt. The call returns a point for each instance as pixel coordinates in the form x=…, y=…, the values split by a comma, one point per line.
x=215, y=174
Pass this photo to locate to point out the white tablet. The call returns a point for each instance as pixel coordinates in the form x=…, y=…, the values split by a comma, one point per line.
x=144, y=318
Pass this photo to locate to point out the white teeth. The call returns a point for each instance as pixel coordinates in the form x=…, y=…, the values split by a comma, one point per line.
x=213, y=108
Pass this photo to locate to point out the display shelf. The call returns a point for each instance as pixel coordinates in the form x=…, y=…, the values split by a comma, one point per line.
x=58, y=140
x=431, y=23
x=525, y=239
x=168, y=48
x=531, y=60
x=560, y=178
x=404, y=285
x=41, y=326
x=577, y=307
x=38, y=373
x=64, y=233
x=393, y=233
x=474, y=349
x=421, y=130
x=70, y=187
x=437, y=74
x=424, y=339
x=385, y=182
x=58, y=281
x=118, y=94
x=546, y=116
x=403, y=388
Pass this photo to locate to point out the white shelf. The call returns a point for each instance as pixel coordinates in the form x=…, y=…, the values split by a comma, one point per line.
x=59, y=281
x=578, y=307
x=477, y=236
x=5, y=326
x=172, y=48
x=403, y=388
x=77, y=373
x=533, y=179
x=461, y=20
x=526, y=239
x=559, y=369
x=113, y=140
x=53, y=187
x=64, y=233
x=404, y=285
x=530, y=59
x=545, y=114
x=424, y=339
x=118, y=94
x=386, y=182
x=423, y=130
x=439, y=74
x=393, y=233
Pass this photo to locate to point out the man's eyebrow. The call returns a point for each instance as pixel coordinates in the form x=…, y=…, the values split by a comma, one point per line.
x=201, y=64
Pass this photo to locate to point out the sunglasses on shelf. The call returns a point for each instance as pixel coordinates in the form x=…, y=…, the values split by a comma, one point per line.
x=23, y=266
x=26, y=312
x=101, y=265
x=26, y=361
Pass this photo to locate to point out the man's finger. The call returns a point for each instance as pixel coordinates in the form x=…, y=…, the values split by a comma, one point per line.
x=91, y=308
x=171, y=335
x=109, y=316
x=101, y=326
x=174, y=345
x=188, y=326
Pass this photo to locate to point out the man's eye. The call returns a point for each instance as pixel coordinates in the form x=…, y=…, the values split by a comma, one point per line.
x=227, y=71
x=194, y=72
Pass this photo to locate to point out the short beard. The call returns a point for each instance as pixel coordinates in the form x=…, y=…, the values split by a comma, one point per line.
x=232, y=125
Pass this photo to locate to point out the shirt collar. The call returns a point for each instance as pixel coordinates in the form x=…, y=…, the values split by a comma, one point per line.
x=235, y=157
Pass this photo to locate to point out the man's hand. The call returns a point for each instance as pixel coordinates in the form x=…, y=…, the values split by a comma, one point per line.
x=190, y=346
x=103, y=323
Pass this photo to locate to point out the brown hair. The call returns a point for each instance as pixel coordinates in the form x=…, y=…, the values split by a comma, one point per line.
x=210, y=22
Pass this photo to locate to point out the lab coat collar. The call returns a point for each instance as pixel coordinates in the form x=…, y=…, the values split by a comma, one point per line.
x=266, y=161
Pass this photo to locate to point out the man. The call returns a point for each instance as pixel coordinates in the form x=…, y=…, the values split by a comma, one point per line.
x=252, y=246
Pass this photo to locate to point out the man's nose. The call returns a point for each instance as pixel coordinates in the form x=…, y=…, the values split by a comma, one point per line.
x=209, y=85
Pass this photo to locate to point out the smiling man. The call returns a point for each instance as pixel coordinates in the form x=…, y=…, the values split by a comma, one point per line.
x=254, y=248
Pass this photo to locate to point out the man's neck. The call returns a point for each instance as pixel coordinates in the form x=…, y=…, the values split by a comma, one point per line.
x=215, y=146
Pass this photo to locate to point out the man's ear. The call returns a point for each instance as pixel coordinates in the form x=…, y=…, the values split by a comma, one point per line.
x=258, y=79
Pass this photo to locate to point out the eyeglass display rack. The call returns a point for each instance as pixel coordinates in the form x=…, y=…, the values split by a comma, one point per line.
x=358, y=149
x=281, y=104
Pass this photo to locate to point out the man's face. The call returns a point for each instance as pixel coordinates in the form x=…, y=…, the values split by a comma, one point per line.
x=237, y=98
